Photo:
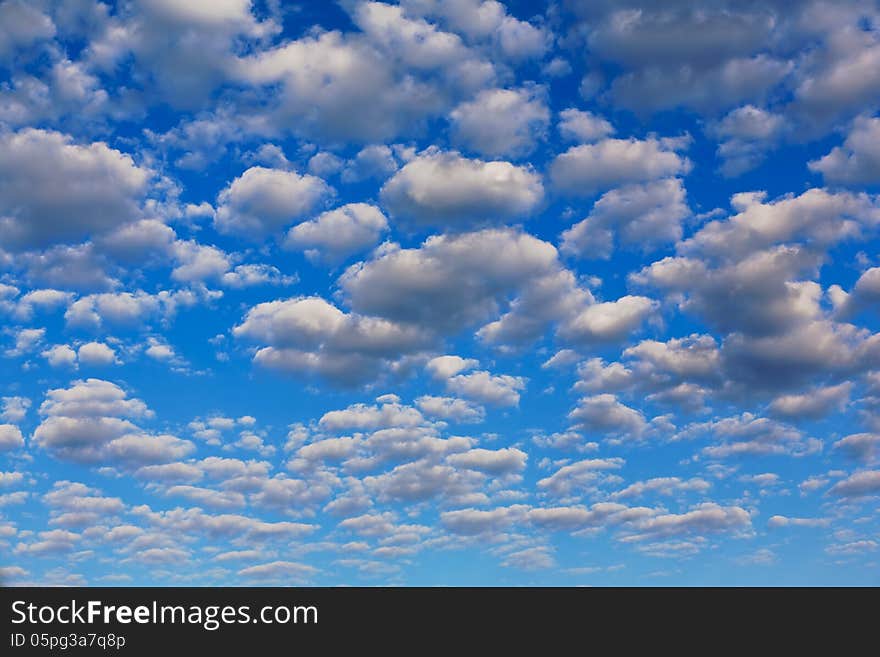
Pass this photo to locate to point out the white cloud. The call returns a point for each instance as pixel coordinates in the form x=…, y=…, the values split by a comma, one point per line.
x=471, y=522
x=126, y=309
x=501, y=122
x=485, y=387
x=92, y=422
x=56, y=191
x=41, y=301
x=10, y=437
x=857, y=162
x=309, y=335
x=96, y=353
x=815, y=403
x=416, y=41
x=445, y=367
x=21, y=25
x=455, y=281
x=262, y=201
x=579, y=477
x=244, y=276
x=450, y=191
x=583, y=127
x=26, y=341
x=604, y=414
x=339, y=233
x=320, y=78
x=862, y=446
x=589, y=168
x=747, y=434
x=373, y=162
x=667, y=486
x=159, y=350
x=450, y=408
x=15, y=408
x=363, y=416
x=492, y=461
x=643, y=216
x=60, y=355
x=608, y=321
x=822, y=217
x=502, y=390
x=747, y=133
x=704, y=518
x=198, y=262
x=285, y=571
x=594, y=375
x=859, y=484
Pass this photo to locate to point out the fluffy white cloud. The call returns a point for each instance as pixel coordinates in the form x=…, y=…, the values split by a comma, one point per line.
x=15, y=408
x=704, y=518
x=748, y=434
x=125, y=308
x=492, y=461
x=746, y=134
x=450, y=191
x=589, y=168
x=501, y=122
x=363, y=416
x=450, y=408
x=96, y=353
x=10, y=437
x=695, y=357
x=857, y=162
x=40, y=301
x=583, y=127
x=862, y=446
x=455, y=281
x=822, y=217
x=605, y=414
x=60, y=355
x=309, y=335
x=478, y=521
x=374, y=162
x=608, y=321
x=579, y=477
x=243, y=276
x=485, y=387
x=445, y=367
x=92, y=422
x=22, y=25
x=391, y=77
x=54, y=190
x=198, y=262
x=814, y=403
x=667, y=486
x=262, y=201
x=339, y=233
x=644, y=216
x=859, y=484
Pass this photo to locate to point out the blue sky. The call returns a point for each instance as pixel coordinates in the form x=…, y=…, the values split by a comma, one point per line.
x=444, y=292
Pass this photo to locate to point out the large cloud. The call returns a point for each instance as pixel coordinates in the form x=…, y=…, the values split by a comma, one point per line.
x=339, y=233
x=858, y=160
x=398, y=72
x=455, y=281
x=501, y=122
x=54, y=190
x=262, y=201
x=450, y=191
x=644, y=216
x=589, y=168
x=92, y=421
x=309, y=335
